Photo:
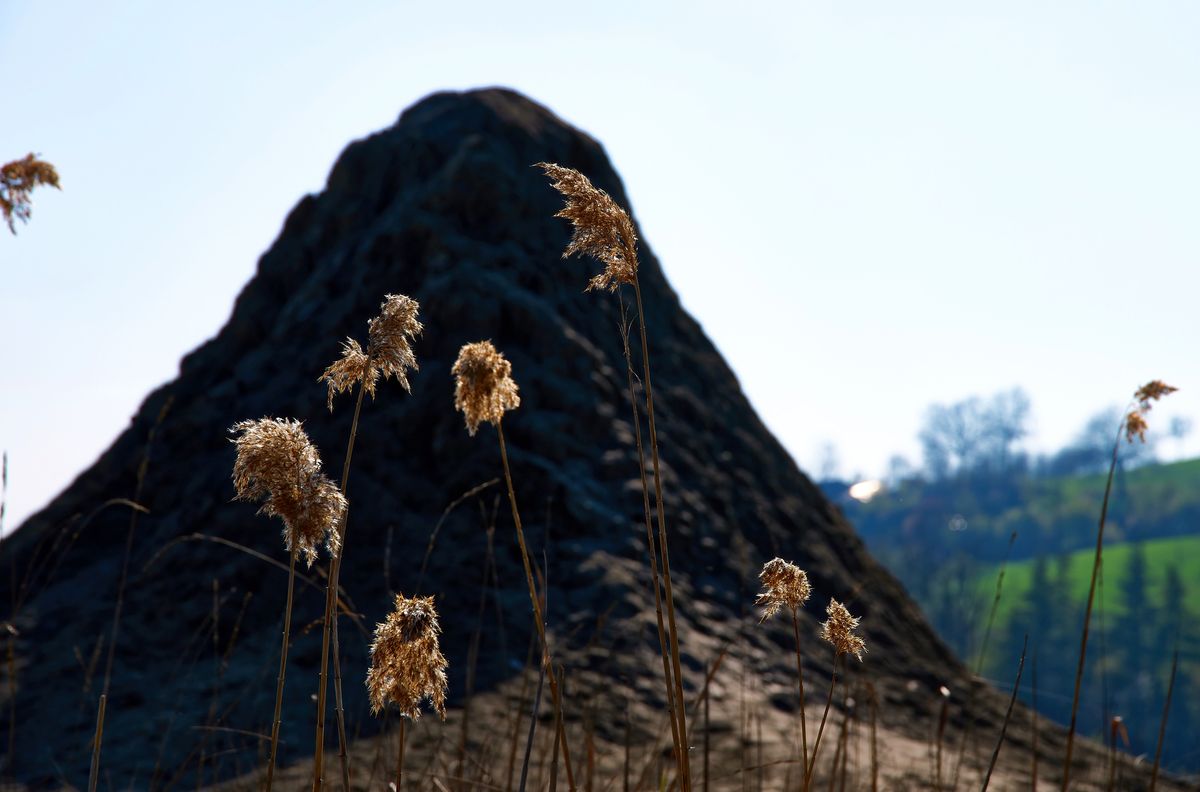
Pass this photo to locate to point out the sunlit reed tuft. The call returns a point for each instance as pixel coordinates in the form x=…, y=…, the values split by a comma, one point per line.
x=784, y=585
x=278, y=465
x=389, y=350
x=1135, y=420
x=483, y=385
x=17, y=180
x=407, y=664
x=839, y=629
x=601, y=228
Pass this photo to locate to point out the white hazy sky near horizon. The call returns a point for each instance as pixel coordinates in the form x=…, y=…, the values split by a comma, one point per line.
x=868, y=211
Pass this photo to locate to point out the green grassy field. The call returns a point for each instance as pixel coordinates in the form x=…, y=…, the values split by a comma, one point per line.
x=1182, y=552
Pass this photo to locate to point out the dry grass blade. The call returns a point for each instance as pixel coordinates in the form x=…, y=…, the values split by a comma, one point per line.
x=1007, y=716
x=97, y=739
x=1162, y=725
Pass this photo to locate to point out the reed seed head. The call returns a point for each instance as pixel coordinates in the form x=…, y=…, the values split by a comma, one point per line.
x=839, y=629
x=407, y=665
x=1135, y=420
x=483, y=385
x=388, y=354
x=278, y=465
x=784, y=584
x=601, y=228
x=17, y=180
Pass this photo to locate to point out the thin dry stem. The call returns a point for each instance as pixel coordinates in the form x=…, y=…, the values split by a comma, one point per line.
x=533, y=597
x=97, y=739
x=651, y=548
x=1162, y=724
x=283, y=653
x=1007, y=716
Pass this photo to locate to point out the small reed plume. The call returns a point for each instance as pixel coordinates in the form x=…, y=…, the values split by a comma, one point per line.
x=838, y=630
x=407, y=665
x=17, y=180
x=277, y=464
x=603, y=230
x=389, y=354
x=786, y=585
x=483, y=385
x=1133, y=424
x=483, y=391
x=389, y=350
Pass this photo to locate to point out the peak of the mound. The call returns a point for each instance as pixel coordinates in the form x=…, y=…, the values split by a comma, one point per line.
x=444, y=206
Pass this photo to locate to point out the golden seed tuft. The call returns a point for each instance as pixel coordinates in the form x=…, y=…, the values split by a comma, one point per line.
x=278, y=465
x=17, y=180
x=1135, y=420
x=389, y=350
x=483, y=385
x=407, y=665
x=784, y=584
x=601, y=228
x=839, y=631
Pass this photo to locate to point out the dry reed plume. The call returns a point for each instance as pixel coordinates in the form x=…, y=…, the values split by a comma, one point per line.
x=389, y=350
x=389, y=354
x=17, y=180
x=277, y=464
x=603, y=230
x=483, y=385
x=407, y=664
x=1133, y=424
x=839, y=629
x=784, y=585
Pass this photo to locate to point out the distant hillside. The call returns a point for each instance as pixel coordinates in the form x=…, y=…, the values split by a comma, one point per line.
x=946, y=541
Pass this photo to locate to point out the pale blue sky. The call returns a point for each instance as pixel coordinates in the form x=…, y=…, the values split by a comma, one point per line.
x=868, y=210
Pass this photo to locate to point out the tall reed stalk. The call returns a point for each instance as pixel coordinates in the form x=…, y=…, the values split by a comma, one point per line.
x=278, y=465
x=484, y=390
x=651, y=547
x=283, y=653
x=329, y=631
x=786, y=585
x=838, y=630
x=388, y=354
x=603, y=230
x=1133, y=424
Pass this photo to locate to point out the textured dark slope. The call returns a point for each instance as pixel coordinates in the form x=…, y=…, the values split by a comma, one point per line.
x=444, y=206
